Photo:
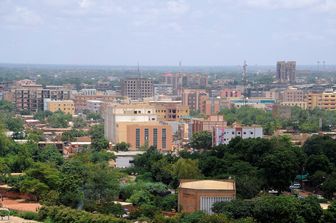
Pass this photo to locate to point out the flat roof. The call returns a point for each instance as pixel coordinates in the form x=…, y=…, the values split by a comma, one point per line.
x=208, y=185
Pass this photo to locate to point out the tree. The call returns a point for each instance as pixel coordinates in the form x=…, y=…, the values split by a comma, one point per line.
x=318, y=163
x=122, y=146
x=59, y=120
x=310, y=209
x=234, y=209
x=280, y=209
x=187, y=169
x=79, y=122
x=98, y=142
x=329, y=186
x=201, y=140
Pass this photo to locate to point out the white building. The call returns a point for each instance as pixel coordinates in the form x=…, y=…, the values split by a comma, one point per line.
x=93, y=105
x=163, y=89
x=224, y=135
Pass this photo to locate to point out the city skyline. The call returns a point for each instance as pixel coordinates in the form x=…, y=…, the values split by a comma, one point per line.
x=205, y=33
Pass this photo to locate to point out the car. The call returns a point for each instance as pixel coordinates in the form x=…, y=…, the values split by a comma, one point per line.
x=295, y=186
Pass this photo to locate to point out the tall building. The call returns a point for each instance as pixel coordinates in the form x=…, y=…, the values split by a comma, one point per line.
x=286, y=71
x=137, y=88
x=325, y=100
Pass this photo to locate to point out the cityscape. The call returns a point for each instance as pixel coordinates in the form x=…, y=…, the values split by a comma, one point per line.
x=84, y=139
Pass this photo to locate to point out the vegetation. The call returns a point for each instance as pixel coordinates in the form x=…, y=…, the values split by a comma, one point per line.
x=299, y=120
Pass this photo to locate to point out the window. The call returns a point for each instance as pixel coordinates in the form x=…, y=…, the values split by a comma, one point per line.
x=146, y=135
x=155, y=137
x=137, y=138
x=164, y=138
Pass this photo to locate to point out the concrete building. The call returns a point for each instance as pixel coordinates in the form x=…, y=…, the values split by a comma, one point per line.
x=194, y=98
x=230, y=93
x=286, y=71
x=209, y=124
x=28, y=98
x=154, y=134
x=170, y=110
x=137, y=88
x=292, y=94
x=81, y=101
x=224, y=135
x=94, y=105
x=116, y=118
x=163, y=89
x=325, y=100
x=200, y=195
x=86, y=91
x=66, y=106
x=54, y=92
x=301, y=104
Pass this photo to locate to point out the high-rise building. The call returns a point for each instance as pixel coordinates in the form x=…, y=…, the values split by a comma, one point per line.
x=286, y=71
x=137, y=88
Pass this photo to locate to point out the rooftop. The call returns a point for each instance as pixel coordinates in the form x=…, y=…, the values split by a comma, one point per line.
x=208, y=185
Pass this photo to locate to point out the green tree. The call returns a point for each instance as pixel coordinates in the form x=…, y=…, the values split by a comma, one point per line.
x=201, y=140
x=187, y=169
x=122, y=146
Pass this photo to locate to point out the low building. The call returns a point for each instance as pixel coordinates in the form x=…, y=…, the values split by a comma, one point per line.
x=301, y=104
x=224, y=135
x=66, y=106
x=200, y=195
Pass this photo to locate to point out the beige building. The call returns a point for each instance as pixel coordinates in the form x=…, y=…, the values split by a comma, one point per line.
x=292, y=94
x=170, y=110
x=117, y=114
x=325, y=100
x=155, y=134
x=301, y=104
x=200, y=195
x=66, y=106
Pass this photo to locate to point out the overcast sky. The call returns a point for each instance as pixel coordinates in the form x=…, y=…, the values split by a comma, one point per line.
x=162, y=32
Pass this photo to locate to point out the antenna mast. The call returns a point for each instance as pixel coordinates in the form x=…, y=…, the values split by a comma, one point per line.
x=245, y=81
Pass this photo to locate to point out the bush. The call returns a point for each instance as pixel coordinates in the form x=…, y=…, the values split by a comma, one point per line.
x=61, y=214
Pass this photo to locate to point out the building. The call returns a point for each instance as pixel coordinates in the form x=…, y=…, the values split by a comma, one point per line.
x=155, y=134
x=286, y=71
x=262, y=103
x=209, y=124
x=224, y=135
x=301, y=104
x=325, y=100
x=292, y=94
x=163, y=89
x=94, y=105
x=66, y=106
x=200, y=195
x=28, y=98
x=56, y=93
x=194, y=98
x=81, y=101
x=137, y=88
x=230, y=93
x=117, y=117
x=170, y=110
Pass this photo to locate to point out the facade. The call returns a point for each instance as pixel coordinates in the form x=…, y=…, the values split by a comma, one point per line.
x=94, y=105
x=224, y=135
x=56, y=93
x=263, y=103
x=157, y=135
x=194, y=98
x=117, y=117
x=137, y=88
x=28, y=98
x=230, y=93
x=293, y=95
x=163, y=89
x=81, y=101
x=209, y=124
x=200, y=195
x=66, y=106
x=301, y=104
x=325, y=100
x=171, y=112
x=286, y=71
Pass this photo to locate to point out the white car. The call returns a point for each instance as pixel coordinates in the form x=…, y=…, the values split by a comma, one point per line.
x=295, y=186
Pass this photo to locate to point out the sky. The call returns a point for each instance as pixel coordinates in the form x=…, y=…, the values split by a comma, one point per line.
x=164, y=32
